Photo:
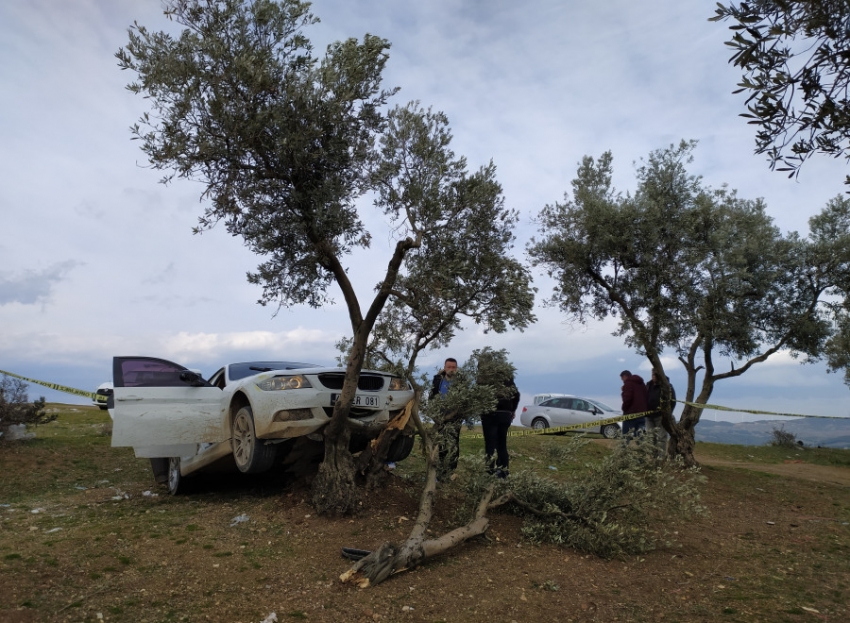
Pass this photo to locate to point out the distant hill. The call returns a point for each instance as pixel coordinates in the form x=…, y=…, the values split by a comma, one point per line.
x=829, y=433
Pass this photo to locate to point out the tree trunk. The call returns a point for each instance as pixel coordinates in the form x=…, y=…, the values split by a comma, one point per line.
x=333, y=491
x=682, y=443
x=390, y=559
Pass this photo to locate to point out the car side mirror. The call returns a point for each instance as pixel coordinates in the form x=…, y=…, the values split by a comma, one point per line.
x=192, y=378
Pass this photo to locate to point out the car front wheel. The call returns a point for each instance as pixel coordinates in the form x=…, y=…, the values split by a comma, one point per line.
x=611, y=431
x=539, y=424
x=251, y=454
x=174, y=478
x=400, y=448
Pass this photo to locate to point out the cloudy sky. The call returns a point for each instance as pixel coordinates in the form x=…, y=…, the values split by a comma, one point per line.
x=98, y=259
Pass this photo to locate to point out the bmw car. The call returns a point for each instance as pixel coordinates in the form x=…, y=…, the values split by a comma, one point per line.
x=249, y=411
x=564, y=410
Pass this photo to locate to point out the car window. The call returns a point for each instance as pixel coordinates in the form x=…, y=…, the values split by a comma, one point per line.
x=147, y=372
x=581, y=405
x=218, y=379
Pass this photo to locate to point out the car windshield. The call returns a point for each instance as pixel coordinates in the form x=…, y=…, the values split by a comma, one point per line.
x=601, y=405
x=249, y=368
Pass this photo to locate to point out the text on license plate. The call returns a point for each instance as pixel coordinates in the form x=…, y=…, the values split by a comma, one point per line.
x=359, y=400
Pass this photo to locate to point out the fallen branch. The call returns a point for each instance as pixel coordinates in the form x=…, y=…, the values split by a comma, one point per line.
x=391, y=558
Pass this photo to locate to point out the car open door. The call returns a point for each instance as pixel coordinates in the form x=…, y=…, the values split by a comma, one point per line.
x=163, y=409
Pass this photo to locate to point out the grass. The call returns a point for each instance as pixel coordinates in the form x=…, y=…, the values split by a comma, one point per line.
x=776, y=454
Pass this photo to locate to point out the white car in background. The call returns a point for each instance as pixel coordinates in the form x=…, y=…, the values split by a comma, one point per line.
x=565, y=410
x=250, y=411
x=104, y=390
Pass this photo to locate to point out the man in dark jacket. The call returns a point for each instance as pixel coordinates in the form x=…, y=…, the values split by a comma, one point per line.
x=635, y=400
x=653, y=422
x=448, y=431
x=495, y=427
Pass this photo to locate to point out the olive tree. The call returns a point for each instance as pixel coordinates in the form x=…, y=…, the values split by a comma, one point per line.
x=287, y=147
x=688, y=269
x=794, y=55
x=16, y=408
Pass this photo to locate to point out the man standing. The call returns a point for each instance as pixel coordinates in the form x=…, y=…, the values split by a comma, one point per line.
x=448, y=430
x=495, y=427
x=443, y=379
x=635, y=400
x=654, y=404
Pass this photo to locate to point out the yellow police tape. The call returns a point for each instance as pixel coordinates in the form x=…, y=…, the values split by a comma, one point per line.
x=60, y=388
x=757, y=412
x=562, y=429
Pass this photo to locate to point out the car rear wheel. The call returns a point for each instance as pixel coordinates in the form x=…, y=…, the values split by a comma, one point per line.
x=252, y=455
x=610, y=431
x=539, y=424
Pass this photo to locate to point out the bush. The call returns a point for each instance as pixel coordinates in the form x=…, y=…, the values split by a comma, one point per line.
x=784, y=439
x=625, y=504
x=15, y=407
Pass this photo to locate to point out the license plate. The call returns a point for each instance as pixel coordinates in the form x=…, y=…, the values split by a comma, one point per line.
x=359, y=400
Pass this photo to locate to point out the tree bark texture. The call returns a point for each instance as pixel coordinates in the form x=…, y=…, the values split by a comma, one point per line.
x=333, y=491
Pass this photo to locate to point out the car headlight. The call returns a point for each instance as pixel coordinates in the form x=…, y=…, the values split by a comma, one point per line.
x=397, y=384
x=275, y=383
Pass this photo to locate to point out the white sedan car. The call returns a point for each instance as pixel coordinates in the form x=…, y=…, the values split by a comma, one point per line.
x=248, y=410
x=104, y=393
x=564, y=410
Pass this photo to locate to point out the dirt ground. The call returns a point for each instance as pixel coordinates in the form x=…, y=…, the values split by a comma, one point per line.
x=775, y=547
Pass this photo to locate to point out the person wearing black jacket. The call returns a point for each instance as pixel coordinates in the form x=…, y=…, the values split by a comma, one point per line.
x=654, y=427
x=495, y=427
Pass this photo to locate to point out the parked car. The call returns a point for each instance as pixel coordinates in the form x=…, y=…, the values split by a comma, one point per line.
x=105, y=390
x=249, y=411
x=566, y=410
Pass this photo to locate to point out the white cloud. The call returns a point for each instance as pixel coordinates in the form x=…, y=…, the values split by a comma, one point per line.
x=214, y=347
